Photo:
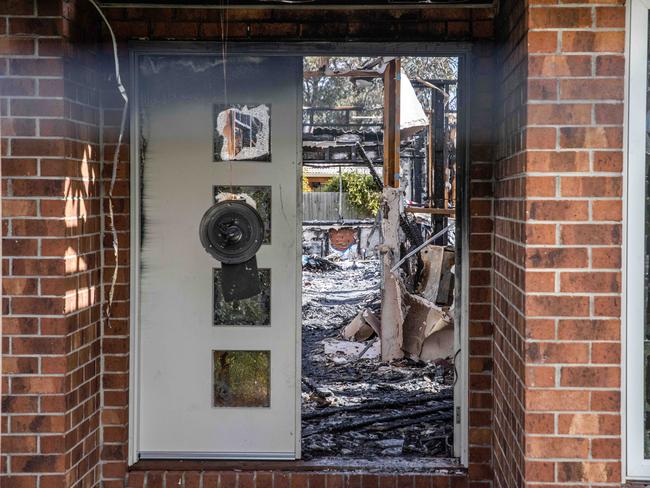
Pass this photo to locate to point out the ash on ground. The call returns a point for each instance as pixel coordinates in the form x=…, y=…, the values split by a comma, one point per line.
x=352, y=403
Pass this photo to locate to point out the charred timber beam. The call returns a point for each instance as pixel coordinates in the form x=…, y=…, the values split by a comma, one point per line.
x=419, y=414
x=377, y=405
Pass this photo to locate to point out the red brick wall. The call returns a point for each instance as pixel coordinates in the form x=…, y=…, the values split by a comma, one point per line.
x=51, y=242
x=509, y=242
x=61, y=406
x=432, y=24
x=558, y=247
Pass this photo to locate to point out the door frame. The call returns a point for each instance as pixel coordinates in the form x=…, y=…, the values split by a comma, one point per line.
x=460, y=50
x=637, y=467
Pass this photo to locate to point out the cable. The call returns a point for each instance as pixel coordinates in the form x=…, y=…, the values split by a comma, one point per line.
x=417, y=249
x=116, y=158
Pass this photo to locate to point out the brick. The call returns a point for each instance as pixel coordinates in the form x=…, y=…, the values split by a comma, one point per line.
x=19, y=365
x=18, y=208
x=589, y=424
x=609, y=113
x=562, y=257
x=608, y=161
x=19, y=444
x=562, y=306
x=541, y=137
x=539, y=471
x=590, y=377
x=556, y=352
x=37, y=147
x=38, y=463
x=38, y=345
x=589, y=330
x=605, y=353
x=38, y=423
x=540, y=376
x=16, y=46
x=559, y=210
x=35, y=26
x=19, y=286
x=607, y=306
x=541, y=186
x=593, y=41
x=610, y=65
x=591, y=89
x=540, y=423
x=542, y=89
x=542, y=42
x=566, y=114
x=36, y=385
x=610, y=17
x=606, y=448
x=20, y=481
x=540, y=282
x=18, y=127
x=591, y=137
x=590, y=282
x=16, y=7
x=591, y=186
x=557, y=400
x=557, y=447
x=37, y=107
x=539, y=329
x=17, y=87
x=606, y=258
x=175, y=30
x=584, y=471
x=36, y=67
x=595, y=234
x=540, y=234
x=550, y=17
x=557, y=162
x=559, y=65
x=18, y=167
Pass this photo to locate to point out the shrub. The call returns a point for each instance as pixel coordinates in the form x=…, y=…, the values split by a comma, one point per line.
x=362, y=191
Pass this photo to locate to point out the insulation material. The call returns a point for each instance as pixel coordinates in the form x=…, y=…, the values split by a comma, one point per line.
x=412, y=116
x=423, y=320
x=363, y=326
x=438, y=345
x=432, y=259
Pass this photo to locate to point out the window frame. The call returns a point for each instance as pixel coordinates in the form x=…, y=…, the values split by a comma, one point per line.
x=637, y=466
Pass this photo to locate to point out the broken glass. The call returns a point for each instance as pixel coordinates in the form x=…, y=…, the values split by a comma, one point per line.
x=242, y=132
x=255, y=310
x=262, y=197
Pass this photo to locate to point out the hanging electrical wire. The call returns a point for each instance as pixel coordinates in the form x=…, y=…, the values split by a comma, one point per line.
x=116, y=158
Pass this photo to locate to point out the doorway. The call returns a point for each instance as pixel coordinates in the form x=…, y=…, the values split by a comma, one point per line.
x=175, y=388
x=357, y=406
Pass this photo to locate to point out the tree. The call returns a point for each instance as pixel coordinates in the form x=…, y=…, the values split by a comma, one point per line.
x=332, y=91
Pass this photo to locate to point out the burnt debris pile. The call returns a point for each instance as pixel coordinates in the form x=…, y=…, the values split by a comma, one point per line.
x=353, y=404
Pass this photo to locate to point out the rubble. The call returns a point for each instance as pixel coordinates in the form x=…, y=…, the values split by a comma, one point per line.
x=316, y=263
x=353, y=404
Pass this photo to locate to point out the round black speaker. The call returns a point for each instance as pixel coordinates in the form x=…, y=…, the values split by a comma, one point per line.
x=231, y=231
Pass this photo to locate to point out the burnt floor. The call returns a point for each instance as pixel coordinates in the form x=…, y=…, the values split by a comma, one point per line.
x=353, y=405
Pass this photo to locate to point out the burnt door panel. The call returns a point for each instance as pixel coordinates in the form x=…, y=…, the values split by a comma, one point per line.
x=217, y=377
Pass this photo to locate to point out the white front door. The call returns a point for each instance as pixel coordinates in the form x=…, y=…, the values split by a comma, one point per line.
x=216, y=379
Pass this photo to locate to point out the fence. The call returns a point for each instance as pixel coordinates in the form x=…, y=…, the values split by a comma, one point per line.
x=324, y=206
